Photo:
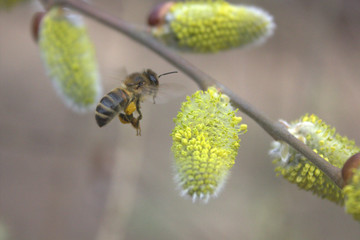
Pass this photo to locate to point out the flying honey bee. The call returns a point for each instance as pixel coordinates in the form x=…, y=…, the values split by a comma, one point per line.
x=125, y=100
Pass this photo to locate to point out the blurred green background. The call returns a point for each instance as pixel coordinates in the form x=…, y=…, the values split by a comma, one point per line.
x=62, y=177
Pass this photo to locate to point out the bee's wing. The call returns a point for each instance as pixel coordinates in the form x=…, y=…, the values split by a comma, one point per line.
x=118, y=75
x=169, y=91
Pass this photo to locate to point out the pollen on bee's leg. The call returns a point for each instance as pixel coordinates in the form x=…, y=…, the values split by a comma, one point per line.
x=130, y=108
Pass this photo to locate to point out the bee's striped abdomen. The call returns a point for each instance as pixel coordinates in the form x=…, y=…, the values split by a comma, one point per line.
x=110, y=105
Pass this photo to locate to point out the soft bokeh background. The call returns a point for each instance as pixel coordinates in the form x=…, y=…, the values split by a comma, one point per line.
x=56, y=167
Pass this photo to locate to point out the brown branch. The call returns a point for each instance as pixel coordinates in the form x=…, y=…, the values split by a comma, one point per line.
x=273, y=128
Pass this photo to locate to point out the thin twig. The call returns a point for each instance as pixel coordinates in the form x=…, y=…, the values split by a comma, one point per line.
x=273, y=128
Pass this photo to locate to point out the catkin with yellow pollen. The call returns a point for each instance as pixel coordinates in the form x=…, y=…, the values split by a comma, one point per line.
x=69, y=59
x=299, y=170
x=209, y=26
x=205, y=143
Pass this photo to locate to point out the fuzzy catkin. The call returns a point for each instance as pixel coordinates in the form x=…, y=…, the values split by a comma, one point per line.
x=212, y=26
x=205, y=143
x=69, y=59
x=299, y=170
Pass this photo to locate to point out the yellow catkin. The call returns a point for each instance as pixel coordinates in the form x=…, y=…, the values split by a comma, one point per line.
x=212, y=26
x=69, y=59
x=299, y=170
x=205, y=143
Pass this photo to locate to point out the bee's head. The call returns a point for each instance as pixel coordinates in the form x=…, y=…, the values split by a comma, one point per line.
x=152, y=76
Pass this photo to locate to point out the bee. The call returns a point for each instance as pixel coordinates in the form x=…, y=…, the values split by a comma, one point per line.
x=125, y=100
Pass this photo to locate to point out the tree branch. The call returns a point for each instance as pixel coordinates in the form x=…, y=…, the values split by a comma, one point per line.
x=273, y=128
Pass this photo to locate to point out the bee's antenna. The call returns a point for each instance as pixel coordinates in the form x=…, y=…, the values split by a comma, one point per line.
x=167, y=73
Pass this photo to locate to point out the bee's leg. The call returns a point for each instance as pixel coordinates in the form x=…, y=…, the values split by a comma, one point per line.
x=138, y=131
x=136, y=121
x=138, y=110
x=125, y=118
x=136, y=124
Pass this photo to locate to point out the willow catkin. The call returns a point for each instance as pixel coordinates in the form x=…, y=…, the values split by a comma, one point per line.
x=297, y=169
x=205, y=143
x=209, y=26
x=69, y=59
